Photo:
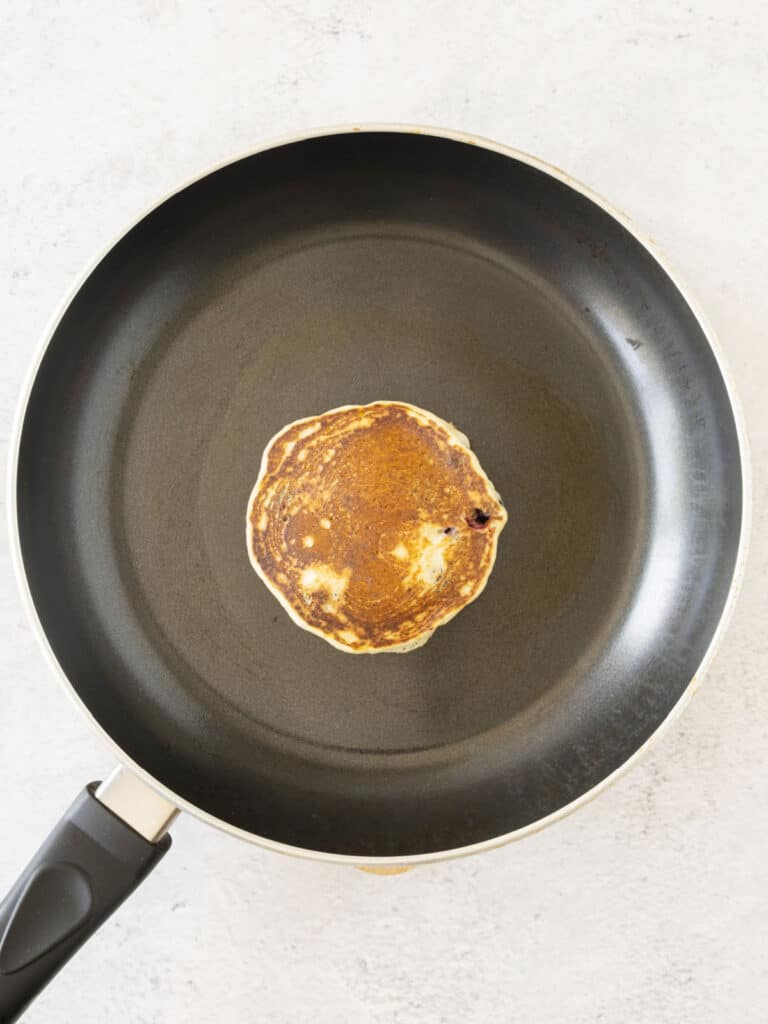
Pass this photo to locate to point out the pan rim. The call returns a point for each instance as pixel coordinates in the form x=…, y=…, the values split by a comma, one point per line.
x=552, y=171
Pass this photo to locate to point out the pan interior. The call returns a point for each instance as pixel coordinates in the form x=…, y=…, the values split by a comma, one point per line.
x=345, y=270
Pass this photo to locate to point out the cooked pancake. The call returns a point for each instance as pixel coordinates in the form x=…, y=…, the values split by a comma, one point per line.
x=373, y=525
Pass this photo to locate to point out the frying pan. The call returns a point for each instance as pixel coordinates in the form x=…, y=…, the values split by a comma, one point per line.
x=341, y=268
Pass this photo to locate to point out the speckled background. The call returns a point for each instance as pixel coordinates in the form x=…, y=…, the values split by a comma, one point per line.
x=651, y=904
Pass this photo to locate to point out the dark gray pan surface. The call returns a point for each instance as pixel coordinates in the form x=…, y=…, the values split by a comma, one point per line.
x=347, y=269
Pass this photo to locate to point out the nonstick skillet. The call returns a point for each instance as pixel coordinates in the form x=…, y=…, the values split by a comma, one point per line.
x=343, y=268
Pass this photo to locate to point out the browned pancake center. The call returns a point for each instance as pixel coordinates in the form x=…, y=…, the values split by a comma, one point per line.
x=373, y=524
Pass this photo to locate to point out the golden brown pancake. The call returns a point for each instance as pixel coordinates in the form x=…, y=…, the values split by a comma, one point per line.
x=373, y=525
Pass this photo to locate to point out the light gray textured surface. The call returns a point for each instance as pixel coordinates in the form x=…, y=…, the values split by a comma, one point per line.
x=651, y=904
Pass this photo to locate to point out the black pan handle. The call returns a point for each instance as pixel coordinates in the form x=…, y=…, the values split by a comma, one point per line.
x=83, y=871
